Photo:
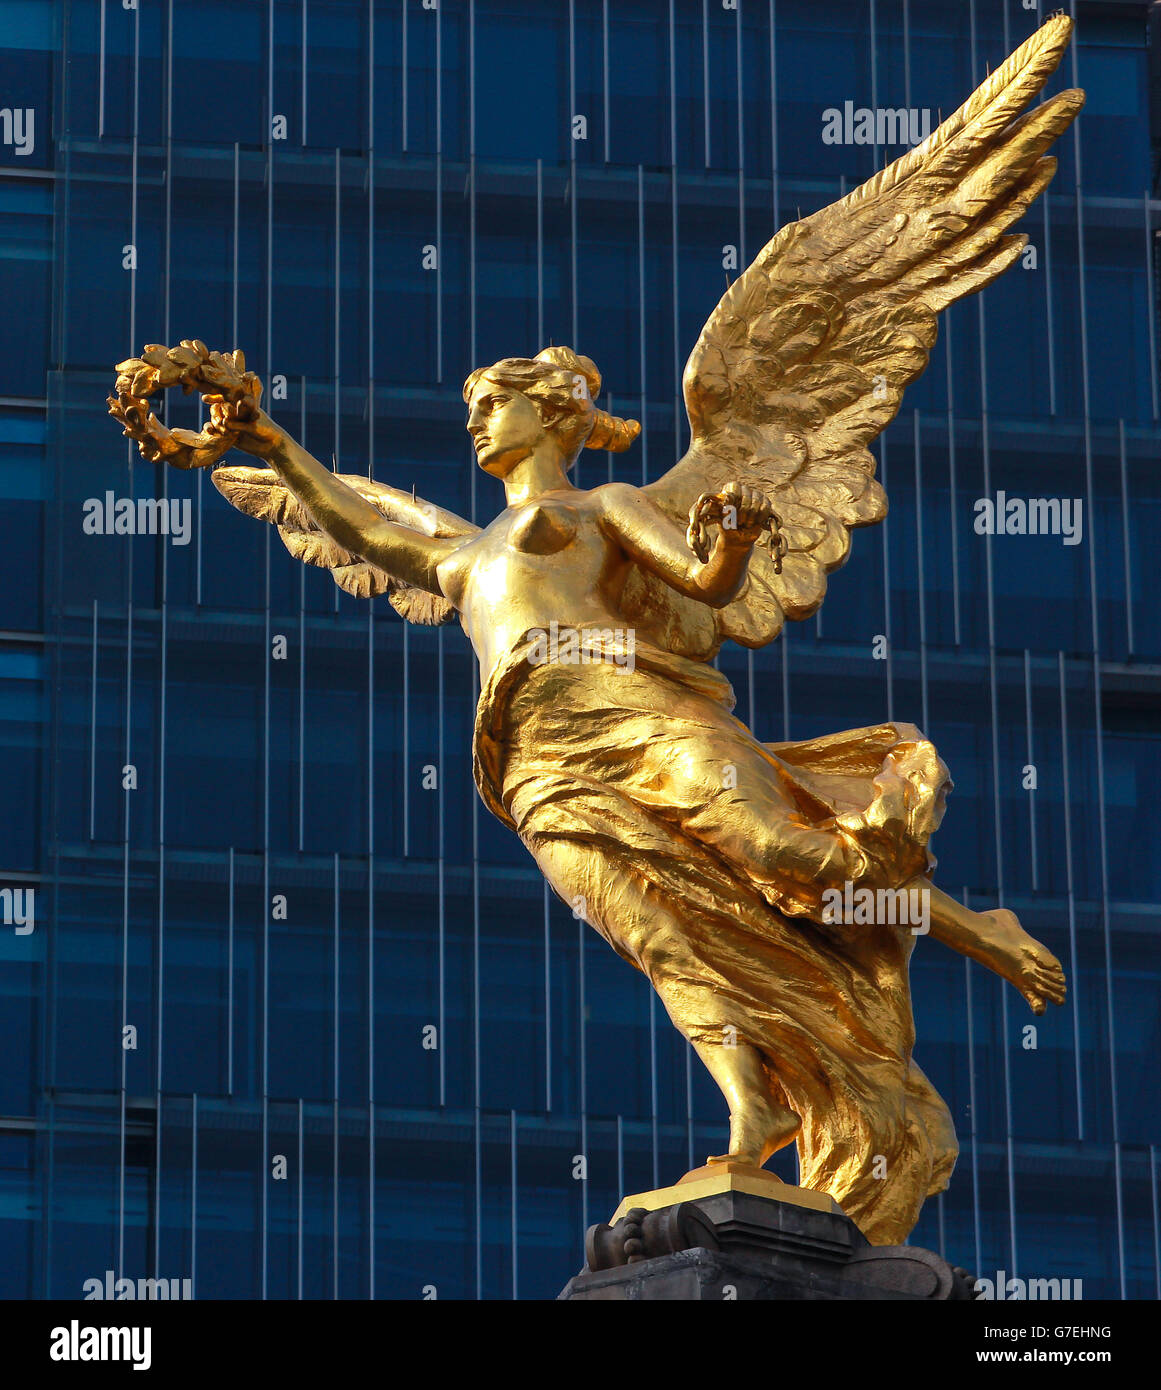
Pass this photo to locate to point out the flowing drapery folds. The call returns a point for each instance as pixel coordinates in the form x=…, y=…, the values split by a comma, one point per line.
x=701, y=856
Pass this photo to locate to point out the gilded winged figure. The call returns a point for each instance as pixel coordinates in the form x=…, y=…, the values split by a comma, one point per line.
x=704, y=857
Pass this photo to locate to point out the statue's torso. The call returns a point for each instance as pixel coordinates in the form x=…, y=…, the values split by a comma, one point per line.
x=545, y=561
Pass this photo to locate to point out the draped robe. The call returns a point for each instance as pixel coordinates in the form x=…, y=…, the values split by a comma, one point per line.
x=703, y=856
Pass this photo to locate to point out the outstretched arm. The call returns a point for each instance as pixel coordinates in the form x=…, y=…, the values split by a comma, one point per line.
x=339, y=510
x=408, y=553
x=649, y=537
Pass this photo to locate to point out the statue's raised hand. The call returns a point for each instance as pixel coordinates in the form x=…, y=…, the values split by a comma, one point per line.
x=743, y=513
x=231, y=392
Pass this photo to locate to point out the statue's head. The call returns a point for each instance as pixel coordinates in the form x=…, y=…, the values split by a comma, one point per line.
x=517, y=402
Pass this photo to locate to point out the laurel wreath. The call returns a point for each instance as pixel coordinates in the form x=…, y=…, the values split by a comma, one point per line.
x=231, y=392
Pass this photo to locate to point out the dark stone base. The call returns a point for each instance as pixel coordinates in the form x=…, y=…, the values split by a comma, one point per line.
x=736, y=1245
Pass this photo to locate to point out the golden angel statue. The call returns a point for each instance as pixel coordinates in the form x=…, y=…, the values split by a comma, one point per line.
x=706, y=858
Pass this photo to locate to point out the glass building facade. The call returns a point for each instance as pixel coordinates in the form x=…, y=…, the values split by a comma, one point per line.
x=295, y=1016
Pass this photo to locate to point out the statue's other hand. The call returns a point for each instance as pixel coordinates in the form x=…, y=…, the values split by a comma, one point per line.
x=741, y=512
x=746, y=513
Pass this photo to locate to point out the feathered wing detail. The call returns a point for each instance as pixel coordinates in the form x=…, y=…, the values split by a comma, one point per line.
x=261, y=492
x=805, y=359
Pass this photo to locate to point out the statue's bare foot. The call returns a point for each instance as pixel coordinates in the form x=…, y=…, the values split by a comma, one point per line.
x=758, y=1131
x=1022, y=960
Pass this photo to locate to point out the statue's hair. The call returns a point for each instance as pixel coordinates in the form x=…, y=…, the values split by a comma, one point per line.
x=562, y=384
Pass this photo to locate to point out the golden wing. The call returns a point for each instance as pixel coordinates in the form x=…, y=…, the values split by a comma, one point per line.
x=805, y=358
x=261, y=492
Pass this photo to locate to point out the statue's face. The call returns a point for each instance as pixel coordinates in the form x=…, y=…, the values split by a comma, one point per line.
x=505, y=426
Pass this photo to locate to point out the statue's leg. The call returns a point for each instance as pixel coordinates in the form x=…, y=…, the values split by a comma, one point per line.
x=759, y=1124
x=651, y=931
x=996, y=939
x=753, y=823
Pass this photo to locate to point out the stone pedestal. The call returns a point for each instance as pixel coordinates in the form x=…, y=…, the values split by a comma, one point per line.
x=729, y=1231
